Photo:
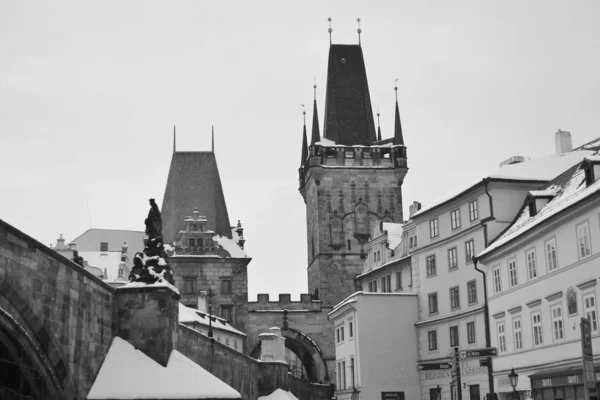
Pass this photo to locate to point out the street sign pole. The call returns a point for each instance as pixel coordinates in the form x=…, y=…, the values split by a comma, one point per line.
x=589, y=377
x=458, y=384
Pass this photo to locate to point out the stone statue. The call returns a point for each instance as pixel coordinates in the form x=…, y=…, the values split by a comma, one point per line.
x=150, y=265
x=77, y=259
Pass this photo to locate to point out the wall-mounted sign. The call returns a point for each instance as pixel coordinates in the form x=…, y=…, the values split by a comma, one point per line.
x=392, y=395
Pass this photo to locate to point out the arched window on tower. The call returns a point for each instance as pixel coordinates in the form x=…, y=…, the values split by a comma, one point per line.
x=336, y=232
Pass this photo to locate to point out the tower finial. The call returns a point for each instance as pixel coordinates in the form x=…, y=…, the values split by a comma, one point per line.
x=315, y=88
x=398, y=137
x=396, y=88
x=329, y=30
x=316, y=134
x=213, y=138
x=378, y=126
x=304, y=154
x=174, y=138
x=303, y=113
x=358, y=30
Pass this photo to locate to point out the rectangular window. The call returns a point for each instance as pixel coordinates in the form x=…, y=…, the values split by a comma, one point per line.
x=433, y=228
x=343, y=374
x=415, y=241
x=531, y=264
x=339, y=375
x=557, y=323
x=337, y=335
x=352, y=371
x=471, y=332
x=518, y=334
x=452, y=258
x=225, y=286
x=455, y=219
x=583, y=240
x=188, y=285
x=103, y=246
x=342, y=333
x=375, y=286
x=472, y=291
x=497, y=280
x=350, y=329
x=551, y=260
x=431, y=268
x=349, y=245
x=410, y=243
x=371, y=287
x=473, y=210
x=227, y=313
x=501, y=338
x=383, y=285
x=469, y=250
x=589, y=307
x=454, y=298
x=536, y=323
x=433, y=303
x=192, y=242
x=399, y=280
x=432, y=336
x=454, y=336
x=512, y=272
x=435, y=393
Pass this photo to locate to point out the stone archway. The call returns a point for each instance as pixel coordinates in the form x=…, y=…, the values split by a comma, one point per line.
x=308, y=353
x=25, y=373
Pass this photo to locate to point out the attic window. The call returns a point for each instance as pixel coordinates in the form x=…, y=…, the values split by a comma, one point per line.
x=591, y=167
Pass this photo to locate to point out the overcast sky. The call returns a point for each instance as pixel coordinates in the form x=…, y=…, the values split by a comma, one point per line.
x=90, y=91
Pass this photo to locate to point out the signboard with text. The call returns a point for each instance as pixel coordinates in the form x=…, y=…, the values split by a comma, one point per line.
x=589, y=378
x=392, y=395
x=478, y=353
x=433, y=366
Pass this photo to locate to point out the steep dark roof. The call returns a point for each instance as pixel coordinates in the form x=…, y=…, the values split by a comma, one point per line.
x=348, y=112
x=398, y=139
x=194, y=182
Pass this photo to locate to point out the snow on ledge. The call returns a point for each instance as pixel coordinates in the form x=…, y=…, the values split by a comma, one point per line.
x=279, y=394
x=157, y=284
x=127, y=373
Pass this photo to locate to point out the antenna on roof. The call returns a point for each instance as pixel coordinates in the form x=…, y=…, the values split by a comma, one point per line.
x=213, y=138
x=329, y=30
x=174, y=137
x=358, y=30
x=396, y=88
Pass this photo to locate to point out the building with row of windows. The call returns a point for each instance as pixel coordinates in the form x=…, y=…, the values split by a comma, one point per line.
x=541, y=275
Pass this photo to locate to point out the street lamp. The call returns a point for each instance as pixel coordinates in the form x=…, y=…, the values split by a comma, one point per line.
x=210, y=304
x=514, y=380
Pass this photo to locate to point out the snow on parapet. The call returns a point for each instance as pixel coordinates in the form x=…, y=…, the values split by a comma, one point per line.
x=230, y=246
x=190, y=315
x=127, y=373
x=164, y=283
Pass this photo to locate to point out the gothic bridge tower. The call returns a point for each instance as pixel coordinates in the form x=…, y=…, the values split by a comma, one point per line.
x=350, y=179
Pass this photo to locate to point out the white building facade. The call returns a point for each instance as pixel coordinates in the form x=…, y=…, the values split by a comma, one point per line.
x=541, y=277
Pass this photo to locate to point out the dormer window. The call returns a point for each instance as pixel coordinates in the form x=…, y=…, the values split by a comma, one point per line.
x=591, y=168
x=537, y=199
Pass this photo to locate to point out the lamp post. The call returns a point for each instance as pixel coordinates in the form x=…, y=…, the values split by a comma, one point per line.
x=210, y=296
x=355, y=393
x=514, y=380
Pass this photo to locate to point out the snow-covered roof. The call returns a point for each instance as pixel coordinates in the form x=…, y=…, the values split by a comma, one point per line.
x=539, y=169
x=380, y=267
x=189, y=315
x=230, y=246
x=279, y=394
x=127, y=373
x=570, y=188
x=394, y=233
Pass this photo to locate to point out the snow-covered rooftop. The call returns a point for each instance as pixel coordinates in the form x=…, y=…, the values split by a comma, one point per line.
x=189, y=315
x=539, y=169
x=394, y=232
x=570, y=188
x=279, y=394
x=127, y=373
x=230, y=246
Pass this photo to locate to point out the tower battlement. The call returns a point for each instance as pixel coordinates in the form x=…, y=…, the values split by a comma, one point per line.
x=306, y=303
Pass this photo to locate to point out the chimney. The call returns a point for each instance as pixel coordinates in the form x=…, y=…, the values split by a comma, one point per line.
x=563, y=142
x=512, y=160
x=203, y=302
x=413, y=208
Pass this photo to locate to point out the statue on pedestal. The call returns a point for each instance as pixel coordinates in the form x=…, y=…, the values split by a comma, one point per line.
x=150, y=265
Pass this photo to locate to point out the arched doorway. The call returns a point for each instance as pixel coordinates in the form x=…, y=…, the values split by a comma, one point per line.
x=306, y=351
x=24, y=372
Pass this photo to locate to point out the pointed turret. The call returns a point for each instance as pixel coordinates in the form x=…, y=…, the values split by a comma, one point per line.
x=304, y=142
x=378, y=128
x=398, y=139
x=348, y=113
x=316, y=134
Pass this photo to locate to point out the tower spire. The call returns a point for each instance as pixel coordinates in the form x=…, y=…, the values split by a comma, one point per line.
x=398, y=139
x=329, y=30
x=213, y=139
x=174, y=139
x=378, y=126
x=315, y=135
x=304, y=141
x=358, y=30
